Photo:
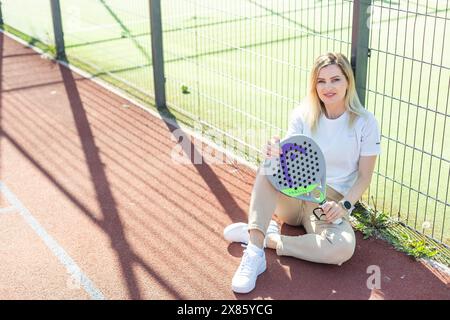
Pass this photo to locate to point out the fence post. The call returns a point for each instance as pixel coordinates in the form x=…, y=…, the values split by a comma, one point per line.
x=360, y=45
x=157, y=53
x=1, y=15
x=58, y=30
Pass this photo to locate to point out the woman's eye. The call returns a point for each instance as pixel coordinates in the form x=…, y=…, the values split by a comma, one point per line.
x=336, y=79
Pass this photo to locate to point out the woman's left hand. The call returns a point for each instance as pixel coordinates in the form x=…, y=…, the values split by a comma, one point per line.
x=333, y=211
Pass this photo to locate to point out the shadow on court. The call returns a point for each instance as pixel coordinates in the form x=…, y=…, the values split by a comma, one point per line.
x=98, y=173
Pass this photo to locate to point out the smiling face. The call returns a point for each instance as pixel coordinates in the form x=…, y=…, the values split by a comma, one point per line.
x=331, y=85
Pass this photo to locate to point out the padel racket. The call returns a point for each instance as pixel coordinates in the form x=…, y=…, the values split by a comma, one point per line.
x=300, y=171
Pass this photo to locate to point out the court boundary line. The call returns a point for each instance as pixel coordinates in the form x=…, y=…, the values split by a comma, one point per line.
x=124, y=95
x=72, y=268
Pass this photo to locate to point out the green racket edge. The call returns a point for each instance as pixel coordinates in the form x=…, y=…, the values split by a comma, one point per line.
x=291, y=192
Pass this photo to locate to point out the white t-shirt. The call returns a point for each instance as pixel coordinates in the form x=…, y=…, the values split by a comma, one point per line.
x=342, y=146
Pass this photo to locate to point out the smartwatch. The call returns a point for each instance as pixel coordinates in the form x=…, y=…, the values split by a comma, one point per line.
x=345, y=204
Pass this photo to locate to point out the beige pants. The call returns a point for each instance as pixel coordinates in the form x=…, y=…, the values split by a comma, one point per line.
x=323, y=243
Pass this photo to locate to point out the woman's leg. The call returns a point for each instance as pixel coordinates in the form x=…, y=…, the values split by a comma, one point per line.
x=265, y=200
x=324, y=242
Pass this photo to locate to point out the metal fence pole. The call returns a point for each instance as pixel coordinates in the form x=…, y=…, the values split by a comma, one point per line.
x=360, y=45
x=1, y=14
x=58, y=30
x=157, y=53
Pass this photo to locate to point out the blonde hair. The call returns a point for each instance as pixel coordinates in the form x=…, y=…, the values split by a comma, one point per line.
x=314, y=107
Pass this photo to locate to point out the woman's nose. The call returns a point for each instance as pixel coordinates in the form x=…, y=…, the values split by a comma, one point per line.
x=328, y=86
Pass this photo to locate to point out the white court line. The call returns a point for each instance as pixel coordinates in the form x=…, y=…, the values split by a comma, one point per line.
x=8, y=210
x=58, y=251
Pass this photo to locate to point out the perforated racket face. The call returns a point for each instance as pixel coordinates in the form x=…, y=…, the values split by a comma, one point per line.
x=300, y=171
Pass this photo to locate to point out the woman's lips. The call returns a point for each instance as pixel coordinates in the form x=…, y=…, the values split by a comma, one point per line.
x=329, y=95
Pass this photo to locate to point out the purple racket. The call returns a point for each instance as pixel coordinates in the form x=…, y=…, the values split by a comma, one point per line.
x=300, y=171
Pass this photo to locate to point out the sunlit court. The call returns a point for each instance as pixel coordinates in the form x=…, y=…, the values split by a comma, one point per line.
x=133, y=133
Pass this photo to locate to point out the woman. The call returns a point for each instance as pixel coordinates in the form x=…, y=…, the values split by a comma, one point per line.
x=349, y=137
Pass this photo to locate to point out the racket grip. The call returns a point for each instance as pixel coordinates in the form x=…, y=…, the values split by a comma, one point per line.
x=337, y=221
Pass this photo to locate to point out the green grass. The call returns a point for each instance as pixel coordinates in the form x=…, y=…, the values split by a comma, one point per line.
x=46, y=48
x=241, y=66
x=373, y=223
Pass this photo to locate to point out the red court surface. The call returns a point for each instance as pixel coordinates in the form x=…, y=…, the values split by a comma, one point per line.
x=92, y=206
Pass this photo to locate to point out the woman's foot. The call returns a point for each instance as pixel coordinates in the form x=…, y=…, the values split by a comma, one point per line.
x=238, y=232
x=253, y=263
x=272, y=235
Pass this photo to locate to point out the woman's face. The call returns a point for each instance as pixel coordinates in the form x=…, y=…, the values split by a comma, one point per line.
x=331, y=85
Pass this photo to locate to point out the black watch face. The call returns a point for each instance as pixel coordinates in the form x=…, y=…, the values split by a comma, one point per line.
x=347, y=204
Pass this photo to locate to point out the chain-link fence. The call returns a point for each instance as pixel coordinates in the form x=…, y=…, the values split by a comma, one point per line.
x=235, y=69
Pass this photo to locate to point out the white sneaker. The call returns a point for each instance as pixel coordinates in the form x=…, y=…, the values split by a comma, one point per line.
x=273, y=228
x=274, y=231
x=238, y=232
x=252, y=265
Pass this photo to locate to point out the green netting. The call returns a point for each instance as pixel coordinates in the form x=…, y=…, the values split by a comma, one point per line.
x=235, y=70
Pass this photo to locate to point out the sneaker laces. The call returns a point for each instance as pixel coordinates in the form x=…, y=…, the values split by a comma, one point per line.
x=247, y=264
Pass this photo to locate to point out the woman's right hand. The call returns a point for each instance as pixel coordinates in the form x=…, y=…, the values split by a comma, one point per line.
x=272, y=148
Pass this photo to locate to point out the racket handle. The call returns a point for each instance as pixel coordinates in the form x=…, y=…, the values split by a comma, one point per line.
x=337, y=221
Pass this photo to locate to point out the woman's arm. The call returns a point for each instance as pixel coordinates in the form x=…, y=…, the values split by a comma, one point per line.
x=365, y=172
x=366, y=166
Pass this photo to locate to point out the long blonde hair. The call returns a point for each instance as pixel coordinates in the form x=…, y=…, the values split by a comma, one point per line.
x=313, y=107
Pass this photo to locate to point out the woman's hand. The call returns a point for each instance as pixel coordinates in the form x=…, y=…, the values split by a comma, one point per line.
x=272, y=148
x=333, y=211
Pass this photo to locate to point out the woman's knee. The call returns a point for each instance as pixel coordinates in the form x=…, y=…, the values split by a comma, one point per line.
x=343, y=250
x=261, y=177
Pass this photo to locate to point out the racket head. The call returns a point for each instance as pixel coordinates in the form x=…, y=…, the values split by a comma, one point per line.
x=300, y=170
